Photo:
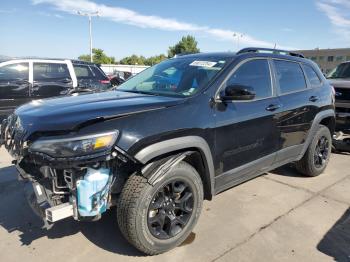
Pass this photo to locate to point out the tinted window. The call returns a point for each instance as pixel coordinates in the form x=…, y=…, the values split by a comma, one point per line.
x=255, y=75
x=48, y=71
x=17, y=71
x=82, y=71
x=341, y=71
x=312, y=76
x=289, y=76
x=99, y=75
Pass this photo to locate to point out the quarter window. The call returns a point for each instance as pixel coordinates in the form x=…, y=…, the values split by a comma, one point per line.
x=312, y=76
x=50, y=71
x=255, y=75
x=290, y=76
x=18, y=71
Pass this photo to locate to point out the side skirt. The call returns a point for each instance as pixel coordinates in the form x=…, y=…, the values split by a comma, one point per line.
x=256, y=168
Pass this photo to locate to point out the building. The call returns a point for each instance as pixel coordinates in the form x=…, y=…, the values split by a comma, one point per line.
x=327, y=59
x=113, y=69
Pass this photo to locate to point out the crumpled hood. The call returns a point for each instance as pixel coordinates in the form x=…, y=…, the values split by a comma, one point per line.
x=341, y=83
x=66, y=113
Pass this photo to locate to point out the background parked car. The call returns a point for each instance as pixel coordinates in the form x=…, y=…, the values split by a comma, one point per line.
x=22, y=80
x=119, y=77
x=340, y=79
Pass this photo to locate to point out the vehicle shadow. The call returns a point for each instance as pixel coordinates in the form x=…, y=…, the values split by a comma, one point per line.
x=16, y=215
x=336, y=242
x=287, y=170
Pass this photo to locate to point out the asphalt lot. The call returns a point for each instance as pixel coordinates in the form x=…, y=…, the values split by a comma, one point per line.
x=277, y=217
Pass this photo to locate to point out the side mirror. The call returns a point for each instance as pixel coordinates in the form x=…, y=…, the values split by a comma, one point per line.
x=237, y=92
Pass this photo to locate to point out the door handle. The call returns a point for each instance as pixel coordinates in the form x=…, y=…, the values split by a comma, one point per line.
x=21, y=82
x=66, y=81
x=273, y=107
x=313, y=98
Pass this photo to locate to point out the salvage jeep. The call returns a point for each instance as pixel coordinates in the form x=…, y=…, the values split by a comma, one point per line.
x=170, y=137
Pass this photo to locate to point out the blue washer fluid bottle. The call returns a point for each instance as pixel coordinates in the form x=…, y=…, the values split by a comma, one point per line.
x=92, y=192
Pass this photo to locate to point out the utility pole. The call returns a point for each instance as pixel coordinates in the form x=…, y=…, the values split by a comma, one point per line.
x=89, y=15
x=238, y=36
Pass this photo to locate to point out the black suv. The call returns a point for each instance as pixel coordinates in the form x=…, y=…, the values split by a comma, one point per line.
x=22, y=80
x=177, y=133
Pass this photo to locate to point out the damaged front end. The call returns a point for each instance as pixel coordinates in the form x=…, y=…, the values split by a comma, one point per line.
x=67, y=175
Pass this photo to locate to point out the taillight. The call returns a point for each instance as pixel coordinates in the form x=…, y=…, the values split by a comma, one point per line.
x=104, y=81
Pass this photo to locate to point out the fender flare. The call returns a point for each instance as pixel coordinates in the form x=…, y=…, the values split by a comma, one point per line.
x=181, y=143
x=314, y=127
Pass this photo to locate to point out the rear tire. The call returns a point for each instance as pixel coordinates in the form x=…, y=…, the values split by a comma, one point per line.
x=150, y=219
x=316, y=157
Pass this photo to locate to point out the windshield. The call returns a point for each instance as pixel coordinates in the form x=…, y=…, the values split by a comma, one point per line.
x=179, y=77
x=341, y=71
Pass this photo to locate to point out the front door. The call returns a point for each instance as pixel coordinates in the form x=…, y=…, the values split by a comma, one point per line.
x=50, y=79
x=247, y=133
x=14, y=87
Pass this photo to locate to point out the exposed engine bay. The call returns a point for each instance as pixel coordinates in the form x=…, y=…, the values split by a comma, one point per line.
x=82, y=187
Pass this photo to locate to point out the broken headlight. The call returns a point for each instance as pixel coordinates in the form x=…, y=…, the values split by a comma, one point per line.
x=77, y=146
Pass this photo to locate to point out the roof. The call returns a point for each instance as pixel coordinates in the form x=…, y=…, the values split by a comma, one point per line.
x=212, y=54
x=74, y=61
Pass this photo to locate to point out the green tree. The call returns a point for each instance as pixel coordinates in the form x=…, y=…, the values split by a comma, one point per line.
x=98, y=57
x=133, y=60
x=150, y=61
x=187, y=44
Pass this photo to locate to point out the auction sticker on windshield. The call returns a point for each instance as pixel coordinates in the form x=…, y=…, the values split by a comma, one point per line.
x=203, y=63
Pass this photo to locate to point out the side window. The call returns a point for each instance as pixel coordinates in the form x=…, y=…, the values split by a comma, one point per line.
x=290, y=76
x=312, y=75
x=50, y=71
x=255, y=75
x=18, y=71
x=82, y=71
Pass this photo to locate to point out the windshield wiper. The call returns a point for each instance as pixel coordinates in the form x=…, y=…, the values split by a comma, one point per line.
x=138, y=92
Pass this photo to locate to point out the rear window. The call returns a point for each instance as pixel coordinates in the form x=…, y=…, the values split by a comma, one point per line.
x=290, y=76
x=312, y=75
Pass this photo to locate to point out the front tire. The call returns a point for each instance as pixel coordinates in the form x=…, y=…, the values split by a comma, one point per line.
x=157, y=218
x=317, y=155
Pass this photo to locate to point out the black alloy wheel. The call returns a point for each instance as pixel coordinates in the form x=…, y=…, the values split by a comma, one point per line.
x=170, y=209
x=321, y=152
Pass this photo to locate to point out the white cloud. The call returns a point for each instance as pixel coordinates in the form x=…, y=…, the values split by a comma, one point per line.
x=338, y=12
x=127, y=16
x=50, y=15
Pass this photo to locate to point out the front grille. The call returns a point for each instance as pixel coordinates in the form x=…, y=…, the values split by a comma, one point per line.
x=342, y=93
x=12, y=135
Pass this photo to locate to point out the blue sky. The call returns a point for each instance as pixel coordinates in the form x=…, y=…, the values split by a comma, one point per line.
x=51, y=28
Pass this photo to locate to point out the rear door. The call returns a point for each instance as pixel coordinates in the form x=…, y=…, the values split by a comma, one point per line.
x=14, y=86
x=50, y=79
x=298, y=110
x=246, y=132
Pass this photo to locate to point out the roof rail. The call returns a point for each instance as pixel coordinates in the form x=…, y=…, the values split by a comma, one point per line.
x=272, y=50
